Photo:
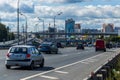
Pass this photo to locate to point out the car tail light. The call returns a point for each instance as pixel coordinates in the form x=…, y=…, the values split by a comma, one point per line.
x=8, y=55
x=28, y=55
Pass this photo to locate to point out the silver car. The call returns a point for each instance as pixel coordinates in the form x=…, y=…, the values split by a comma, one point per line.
x=24, y=55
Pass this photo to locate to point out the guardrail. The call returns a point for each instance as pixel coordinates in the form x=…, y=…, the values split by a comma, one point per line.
x=106, y=71
x=8, y=44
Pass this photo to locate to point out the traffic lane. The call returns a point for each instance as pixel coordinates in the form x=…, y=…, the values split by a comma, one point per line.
x=74, y=71
x=23, y=72
x=67, y=51
x=67, y=58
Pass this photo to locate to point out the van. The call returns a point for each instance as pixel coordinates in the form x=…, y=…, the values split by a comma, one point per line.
x=100, y=45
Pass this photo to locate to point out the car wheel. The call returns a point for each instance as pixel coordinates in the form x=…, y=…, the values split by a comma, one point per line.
x=104, y=50
x=96, y=50
x=56, y=52
x=42, y=64
x=49, y=52
x=31, y=67
x=8, y=66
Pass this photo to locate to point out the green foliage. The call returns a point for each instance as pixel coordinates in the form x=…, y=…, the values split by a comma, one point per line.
x=5, y=34
x=113, y=39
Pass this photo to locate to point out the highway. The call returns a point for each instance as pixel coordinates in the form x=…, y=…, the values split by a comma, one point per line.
x=69, y=64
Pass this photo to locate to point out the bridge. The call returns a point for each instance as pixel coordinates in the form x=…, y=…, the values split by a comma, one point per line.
x=95, y=33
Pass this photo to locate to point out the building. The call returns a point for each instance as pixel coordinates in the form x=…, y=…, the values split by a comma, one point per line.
x=108, y=27
x=69, y=26
x=77, y=28
x=90, y=30
x=51, y=30
x=116, y=29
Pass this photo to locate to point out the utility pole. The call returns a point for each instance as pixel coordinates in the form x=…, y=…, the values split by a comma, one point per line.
x=55, y=30
x=18, y=21
x=25, y=25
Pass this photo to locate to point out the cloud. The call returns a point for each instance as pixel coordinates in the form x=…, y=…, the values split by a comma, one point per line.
x=87, y=12
x=27, y=8
x=7, y=8
x=75, y=1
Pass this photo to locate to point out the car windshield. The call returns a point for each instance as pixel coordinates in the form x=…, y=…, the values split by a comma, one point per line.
x=45, y=44
x=18, y=50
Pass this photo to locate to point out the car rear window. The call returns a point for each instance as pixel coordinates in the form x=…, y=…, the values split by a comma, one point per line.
x=45, y=44
x=100, y=42
x=18, y=50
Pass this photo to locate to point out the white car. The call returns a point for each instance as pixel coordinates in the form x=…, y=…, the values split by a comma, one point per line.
x=24, y=55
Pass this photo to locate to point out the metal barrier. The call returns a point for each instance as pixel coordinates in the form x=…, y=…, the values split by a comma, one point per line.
x=106, y=71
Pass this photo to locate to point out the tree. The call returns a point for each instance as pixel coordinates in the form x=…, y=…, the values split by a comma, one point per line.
x=5, y=34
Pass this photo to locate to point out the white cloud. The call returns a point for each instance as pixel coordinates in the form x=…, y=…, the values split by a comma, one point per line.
x=45, y=9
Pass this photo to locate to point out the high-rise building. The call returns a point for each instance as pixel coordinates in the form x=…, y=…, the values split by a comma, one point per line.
x=69, y=26
x=108, y=27
x=77, y=28
x=116, y=29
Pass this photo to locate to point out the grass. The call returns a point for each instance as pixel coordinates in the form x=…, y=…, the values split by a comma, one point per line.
x=115, y=73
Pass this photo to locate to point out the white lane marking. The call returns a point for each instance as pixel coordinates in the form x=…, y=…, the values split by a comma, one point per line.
x=98, y=69
x=84, y=62
x=49, y=77
x=62, y=72
x=32, y=76
x=89, y=61
x=85, y=79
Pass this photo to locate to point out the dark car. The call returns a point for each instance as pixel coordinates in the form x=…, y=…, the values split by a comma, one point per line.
x=108, y=45
x=60, y=45
x=48, y=47
x=80, y=46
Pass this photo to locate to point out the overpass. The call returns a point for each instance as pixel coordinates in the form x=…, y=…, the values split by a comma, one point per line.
x=95, y=33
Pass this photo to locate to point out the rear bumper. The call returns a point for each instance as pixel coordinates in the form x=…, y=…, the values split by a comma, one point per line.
x=18, y=62
x=45, y=50
x=100, y=48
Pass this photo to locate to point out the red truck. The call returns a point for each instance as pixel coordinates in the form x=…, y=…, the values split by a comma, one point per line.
x=100, y=45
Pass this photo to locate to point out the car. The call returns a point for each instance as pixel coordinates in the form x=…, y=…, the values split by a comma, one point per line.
x=60, y=45
x=108, y=45
x=48, y=47
x=24, y=55
x=100, y=45
x=80, y=46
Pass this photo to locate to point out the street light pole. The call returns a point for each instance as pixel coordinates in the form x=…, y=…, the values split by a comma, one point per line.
x=43, y=26
x=26, y=26
x=18, y=21
x=54, y=22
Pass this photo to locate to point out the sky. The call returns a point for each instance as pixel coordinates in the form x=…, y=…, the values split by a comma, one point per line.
x=90, y=14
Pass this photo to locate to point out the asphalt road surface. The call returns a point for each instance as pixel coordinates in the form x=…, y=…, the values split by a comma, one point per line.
x=68, y=64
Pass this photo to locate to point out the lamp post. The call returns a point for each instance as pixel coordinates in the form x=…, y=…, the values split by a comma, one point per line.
x=18, y=21
x=26, y=26
x=54, y=21
x=35, y=28
x=43, y=25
